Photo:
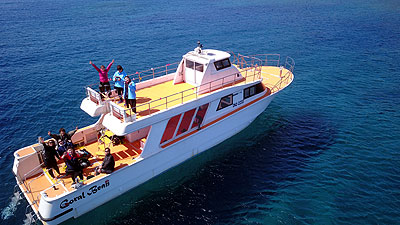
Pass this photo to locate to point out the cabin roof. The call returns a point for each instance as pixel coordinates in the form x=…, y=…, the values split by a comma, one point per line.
x=207, y=55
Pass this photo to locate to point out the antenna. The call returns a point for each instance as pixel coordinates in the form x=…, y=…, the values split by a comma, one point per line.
x=199, y=47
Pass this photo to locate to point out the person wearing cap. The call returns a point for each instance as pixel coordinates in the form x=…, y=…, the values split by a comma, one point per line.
x=118, y=78
x=103, y=75
x=130, y=93
x=49, y=156
x=108, y=163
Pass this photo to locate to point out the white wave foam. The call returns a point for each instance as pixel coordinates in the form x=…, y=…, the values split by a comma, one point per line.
x=9, y=211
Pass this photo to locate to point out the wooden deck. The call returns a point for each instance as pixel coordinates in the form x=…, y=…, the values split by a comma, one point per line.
x=124, y=154
x=156, y=94
x=127, y=152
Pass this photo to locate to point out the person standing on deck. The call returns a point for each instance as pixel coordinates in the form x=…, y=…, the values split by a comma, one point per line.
x=49, y=154
x=103, y=75
x=119, y=78
x=130, y=93
x=63, y=135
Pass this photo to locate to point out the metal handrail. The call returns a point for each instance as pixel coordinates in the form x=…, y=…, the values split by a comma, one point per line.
x=32, y=170
x=250, y=66
x=255, y=72
x=148, y=74
x=29, y=184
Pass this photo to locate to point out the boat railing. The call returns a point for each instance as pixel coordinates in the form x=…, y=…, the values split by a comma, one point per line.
x=28, y=185
x=269, y=60
x=286, y=77
x=244, y=61
x=249, y=66
x=249, y=74
x=154, y=72
x=96, y=96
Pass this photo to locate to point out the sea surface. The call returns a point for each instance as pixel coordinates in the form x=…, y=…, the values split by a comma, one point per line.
x=326, y=150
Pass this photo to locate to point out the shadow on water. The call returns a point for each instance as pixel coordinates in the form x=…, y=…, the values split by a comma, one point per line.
x=233, y=178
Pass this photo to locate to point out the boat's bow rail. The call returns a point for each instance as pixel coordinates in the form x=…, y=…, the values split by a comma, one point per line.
x=268, y=60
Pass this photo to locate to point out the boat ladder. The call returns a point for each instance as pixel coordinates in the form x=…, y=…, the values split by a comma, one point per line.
x=30, y=215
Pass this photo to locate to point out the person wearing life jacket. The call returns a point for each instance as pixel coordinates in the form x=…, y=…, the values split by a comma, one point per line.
x=49, y=156
x=118, y=79
x=103, y=75
x=130, y=93
x=71, y=158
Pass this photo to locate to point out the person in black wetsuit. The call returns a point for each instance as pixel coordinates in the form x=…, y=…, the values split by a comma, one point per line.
x=108, y=163
x=49, y=156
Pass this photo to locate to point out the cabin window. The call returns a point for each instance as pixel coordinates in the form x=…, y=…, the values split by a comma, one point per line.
x=201, y=112
x=194, y=65
x=186, y=120
x=225, y=102
x=222, y=64
x=199, y=67
x=253, y=90
x=189, y=64
x=170, y=129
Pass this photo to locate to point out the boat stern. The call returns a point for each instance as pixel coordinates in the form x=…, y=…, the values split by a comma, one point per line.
x=93, y=103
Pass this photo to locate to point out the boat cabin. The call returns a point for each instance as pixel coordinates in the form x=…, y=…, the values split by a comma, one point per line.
x=206, y=67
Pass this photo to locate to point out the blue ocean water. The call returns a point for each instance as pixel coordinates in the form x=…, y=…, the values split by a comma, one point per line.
x=326, y=151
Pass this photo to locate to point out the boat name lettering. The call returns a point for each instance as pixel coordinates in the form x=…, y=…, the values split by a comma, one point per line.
x=92, y=190
x=238, y=103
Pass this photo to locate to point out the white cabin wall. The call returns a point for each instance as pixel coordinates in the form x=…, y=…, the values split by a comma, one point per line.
x=180, y=73
x=135, y=135
x=153, y=139
x=211, y=74
x=27, y=166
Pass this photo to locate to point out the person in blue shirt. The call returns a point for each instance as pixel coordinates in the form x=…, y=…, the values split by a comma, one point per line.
x=63, y=145
x=130, y=94
x=118, y=79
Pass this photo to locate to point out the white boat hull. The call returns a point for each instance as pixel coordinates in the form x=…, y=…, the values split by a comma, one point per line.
x=121, y=181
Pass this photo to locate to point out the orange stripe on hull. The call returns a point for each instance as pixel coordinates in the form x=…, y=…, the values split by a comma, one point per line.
x=268, y=92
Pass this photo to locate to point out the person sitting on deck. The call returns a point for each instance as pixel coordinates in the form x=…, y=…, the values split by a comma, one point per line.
x=49, y=155
x=118, y=79
x=103, y=75
x=63, y=135
x=74, y=169
x=63, y=145
x=108, y=163
x=130, y=94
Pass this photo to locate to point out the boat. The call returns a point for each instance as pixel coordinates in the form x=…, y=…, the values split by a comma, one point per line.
x=182, y=110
